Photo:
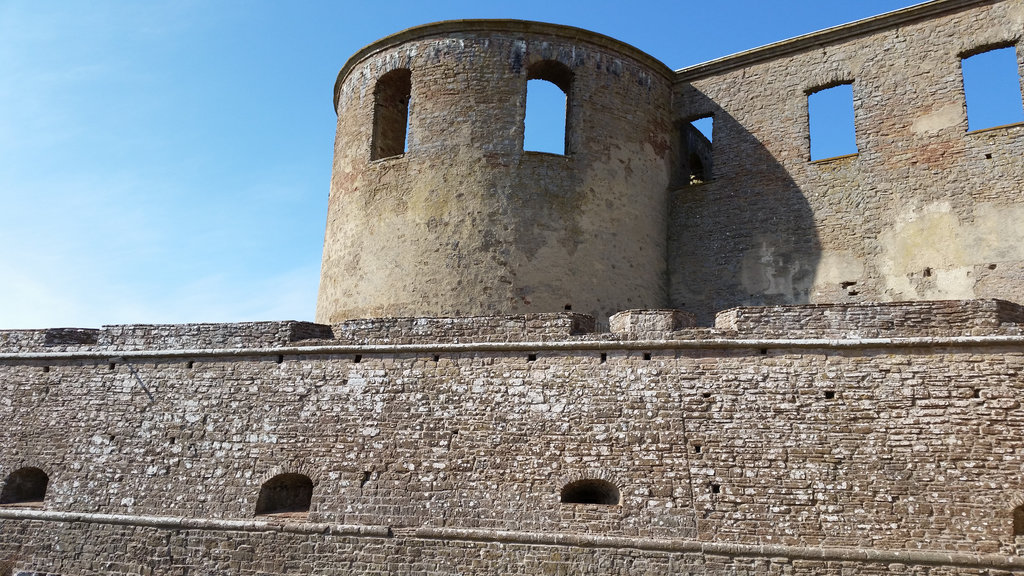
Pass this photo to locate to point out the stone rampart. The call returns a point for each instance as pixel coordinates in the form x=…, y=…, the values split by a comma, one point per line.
x=780, y=455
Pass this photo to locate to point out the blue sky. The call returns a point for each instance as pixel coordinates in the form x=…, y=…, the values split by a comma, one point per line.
x=170, y=161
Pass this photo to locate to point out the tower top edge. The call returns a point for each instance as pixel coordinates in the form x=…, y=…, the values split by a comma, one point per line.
x=508, y=26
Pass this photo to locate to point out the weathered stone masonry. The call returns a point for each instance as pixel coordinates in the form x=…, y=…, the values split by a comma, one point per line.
x=474, y=400
x=776, y=450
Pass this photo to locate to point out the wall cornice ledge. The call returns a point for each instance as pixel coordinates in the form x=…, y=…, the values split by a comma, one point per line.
x=731, y=549
x=670, y=545
x=537, y=346
x=825, y=37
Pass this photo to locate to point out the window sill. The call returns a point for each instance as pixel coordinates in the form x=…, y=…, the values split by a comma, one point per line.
x=33, y=504
x=831, y=159
x=295, y=516
x=388, y=158
x=545, y=154
x=993, y=128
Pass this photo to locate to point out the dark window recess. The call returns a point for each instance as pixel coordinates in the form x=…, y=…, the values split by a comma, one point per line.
x=549, y=104
x=391, y=114
x=591, y=491
x=695, y=156
x=992, y=88
x=1018, y=520
x=25, y=486
x=285, y=493
x=830, y=122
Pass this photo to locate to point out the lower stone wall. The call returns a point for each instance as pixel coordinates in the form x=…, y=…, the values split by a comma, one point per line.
x=95, y=549
x=742, y=455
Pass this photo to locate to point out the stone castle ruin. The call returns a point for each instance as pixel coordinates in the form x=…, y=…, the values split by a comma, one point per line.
x=660, y=352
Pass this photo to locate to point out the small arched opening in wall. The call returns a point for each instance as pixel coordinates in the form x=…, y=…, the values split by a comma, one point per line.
x=24, y=487
x=1018, y=520
x=591, y=491
x=287, y=494
x=548, y=121
x=391, y=99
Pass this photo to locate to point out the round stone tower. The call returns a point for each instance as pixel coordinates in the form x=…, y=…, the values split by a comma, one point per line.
x=436, y=210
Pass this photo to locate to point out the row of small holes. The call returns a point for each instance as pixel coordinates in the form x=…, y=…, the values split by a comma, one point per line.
x=604, y=357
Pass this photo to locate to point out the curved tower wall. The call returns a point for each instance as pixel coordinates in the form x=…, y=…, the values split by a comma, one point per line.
x=465, y=222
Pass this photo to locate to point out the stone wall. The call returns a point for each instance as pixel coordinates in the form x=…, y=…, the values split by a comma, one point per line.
x=843, y=437
x=936, y=317
x=773, y=455
x=924, y=211
x=465, y=222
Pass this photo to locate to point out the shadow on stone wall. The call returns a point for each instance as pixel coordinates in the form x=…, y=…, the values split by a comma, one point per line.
x=746, y=235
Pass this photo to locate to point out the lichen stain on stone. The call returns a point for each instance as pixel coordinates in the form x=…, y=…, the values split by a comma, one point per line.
x=773, y=267
x=935, y=238
x=935, y=120
x=516, y=57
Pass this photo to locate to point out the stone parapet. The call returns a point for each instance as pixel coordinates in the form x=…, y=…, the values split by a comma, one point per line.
x=554, y=326
x=928, y=318
x=211, y=335
x=651, y=323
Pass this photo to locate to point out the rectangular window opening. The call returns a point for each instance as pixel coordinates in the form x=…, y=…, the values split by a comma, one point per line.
x=830, y=120
x=696, y=138
x=992, y=89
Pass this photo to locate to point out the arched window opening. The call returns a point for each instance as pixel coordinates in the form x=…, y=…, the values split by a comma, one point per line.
x=1018, y=520
x=591, y=491
x=26, y=486
x=285, y=494
x=547, y=124
x=391, y=114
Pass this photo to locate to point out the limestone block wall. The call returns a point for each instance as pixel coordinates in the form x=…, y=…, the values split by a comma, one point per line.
x=731, y=451
x=925, y=210
x=465, y=222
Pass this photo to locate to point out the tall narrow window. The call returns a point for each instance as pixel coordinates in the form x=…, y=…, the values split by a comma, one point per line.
x=992, y=89
x=26, y=486
x=831, y=124
x=284, y=494
x=548, y=108
x=391, y=114
x=1018, y=521
x=696, y=150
